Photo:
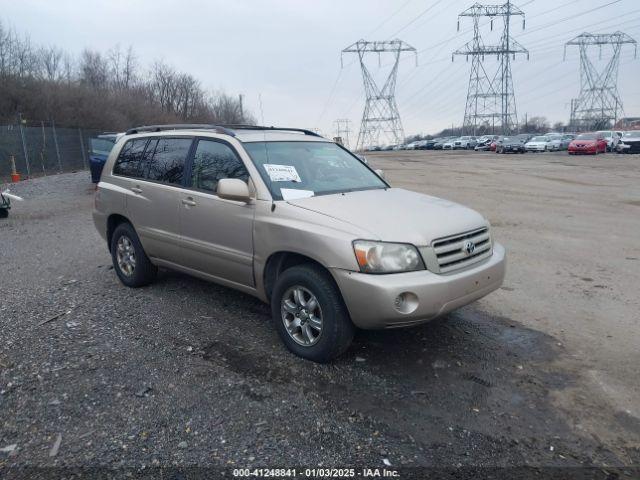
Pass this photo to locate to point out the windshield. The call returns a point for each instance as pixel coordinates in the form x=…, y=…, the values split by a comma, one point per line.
x=303, y=169
x=632, y=134
x=539, y=139
x=586, y=136
x=101, y=146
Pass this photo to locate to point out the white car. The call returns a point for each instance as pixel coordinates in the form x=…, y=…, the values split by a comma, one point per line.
x=465, y=142
x=448, y=145
x=537, y=144
x=612, y=139
x=559, y=141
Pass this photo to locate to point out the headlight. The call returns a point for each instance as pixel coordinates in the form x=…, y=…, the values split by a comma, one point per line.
x=383, y=257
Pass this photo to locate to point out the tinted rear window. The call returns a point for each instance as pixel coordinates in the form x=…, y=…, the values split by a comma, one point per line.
x=130, y=162
x=168, y=160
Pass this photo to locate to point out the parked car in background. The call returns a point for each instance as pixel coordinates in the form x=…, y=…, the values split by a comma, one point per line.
x=588, y=143
x=295, y=220
x=630, y=142
x=513, y=144
x=422, y=144
x=483, y=142
x=439, y=143
x=537, y=144
x=465, y=142
x=493, y=146
x=611, y=137
x=448, y=145
x=559, y=141
x=99, y=149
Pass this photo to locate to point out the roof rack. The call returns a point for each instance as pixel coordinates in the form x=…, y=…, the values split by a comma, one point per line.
x=180, y=126
x=239, y=126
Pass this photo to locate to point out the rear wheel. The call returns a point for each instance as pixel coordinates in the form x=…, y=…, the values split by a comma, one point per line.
x=130, y=261
x=4, y=213
x=310, y=315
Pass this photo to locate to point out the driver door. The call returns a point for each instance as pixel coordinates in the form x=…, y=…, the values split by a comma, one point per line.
x=217, y=234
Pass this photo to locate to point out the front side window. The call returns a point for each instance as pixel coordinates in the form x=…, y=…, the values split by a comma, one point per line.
x=214, y=161
x=304, y=169
x=130, y=161
x=168, y=160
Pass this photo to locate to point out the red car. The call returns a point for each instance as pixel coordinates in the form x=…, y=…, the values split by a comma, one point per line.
x=494, y=144
x=589, y=143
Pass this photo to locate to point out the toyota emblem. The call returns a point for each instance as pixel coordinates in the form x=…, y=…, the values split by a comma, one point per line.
x=469, y=247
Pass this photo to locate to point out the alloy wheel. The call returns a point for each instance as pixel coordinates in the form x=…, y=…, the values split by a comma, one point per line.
x=126, y=255
x=301, y=315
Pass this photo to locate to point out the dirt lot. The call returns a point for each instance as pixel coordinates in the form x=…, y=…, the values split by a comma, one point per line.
x=543, y=372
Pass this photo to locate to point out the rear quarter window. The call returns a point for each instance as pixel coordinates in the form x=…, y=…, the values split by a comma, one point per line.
x=130, y=162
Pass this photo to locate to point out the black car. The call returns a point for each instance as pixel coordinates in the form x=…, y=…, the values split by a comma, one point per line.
x=427, y=144
x=514, y=144
x=629, y=143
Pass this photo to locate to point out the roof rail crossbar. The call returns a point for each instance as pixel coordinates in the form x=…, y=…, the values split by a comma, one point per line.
x=261, y=127
x=180, y=126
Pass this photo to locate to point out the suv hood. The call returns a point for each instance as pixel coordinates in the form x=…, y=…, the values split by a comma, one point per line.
x=396, y=215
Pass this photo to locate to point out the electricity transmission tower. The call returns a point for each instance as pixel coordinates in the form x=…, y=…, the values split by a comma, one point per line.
x=343, y=130
x=381, y=119
x=598, y=105
x=490, y=98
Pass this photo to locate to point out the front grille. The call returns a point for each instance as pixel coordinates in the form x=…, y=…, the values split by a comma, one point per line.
x=451, y=252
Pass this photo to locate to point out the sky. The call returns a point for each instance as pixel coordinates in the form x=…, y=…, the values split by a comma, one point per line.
x=284, y=56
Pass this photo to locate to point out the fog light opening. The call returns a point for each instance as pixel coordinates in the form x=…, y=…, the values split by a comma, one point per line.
x=406, y=302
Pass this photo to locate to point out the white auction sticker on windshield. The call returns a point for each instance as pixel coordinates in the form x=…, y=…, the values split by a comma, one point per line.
x=293, y=194
x=282, y=173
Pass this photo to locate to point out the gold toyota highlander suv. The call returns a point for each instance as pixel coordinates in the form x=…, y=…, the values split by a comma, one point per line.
x=296, y=220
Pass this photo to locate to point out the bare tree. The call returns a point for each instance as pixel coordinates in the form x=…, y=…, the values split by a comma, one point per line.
x=101, y=90
x=93, y=69
x=52, y=63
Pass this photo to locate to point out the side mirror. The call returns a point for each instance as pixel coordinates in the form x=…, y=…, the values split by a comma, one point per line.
x=380, y=173
x=233, y=189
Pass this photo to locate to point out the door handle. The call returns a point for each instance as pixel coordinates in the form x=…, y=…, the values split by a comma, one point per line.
x=188, y=202
x=136, y=190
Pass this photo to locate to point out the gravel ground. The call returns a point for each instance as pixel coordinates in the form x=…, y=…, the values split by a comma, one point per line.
x=188, y=373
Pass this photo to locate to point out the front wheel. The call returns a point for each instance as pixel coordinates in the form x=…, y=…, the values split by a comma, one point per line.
x=310, y=315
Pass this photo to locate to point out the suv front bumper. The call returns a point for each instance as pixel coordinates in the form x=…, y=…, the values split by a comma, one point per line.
x=373, y=300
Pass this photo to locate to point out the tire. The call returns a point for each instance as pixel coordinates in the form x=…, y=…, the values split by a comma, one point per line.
x=336, y=331
x=4, y=213
x=143, y=272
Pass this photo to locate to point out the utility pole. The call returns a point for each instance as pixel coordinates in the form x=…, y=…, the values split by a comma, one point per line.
x=598, y=106
x=380, y=119
x=343, y=131
x=490, y=96
x=241, y=109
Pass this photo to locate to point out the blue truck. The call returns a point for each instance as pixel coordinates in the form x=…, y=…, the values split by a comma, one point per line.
x=99, y=149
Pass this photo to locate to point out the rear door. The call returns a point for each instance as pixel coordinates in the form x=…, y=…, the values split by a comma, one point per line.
x=217, y=234
x=153, y=200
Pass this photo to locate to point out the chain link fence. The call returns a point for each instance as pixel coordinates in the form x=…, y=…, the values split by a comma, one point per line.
x=43, y=148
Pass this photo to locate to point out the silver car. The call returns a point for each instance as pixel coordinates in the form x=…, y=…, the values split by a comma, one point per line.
x=560, y=141
x=295, y=220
